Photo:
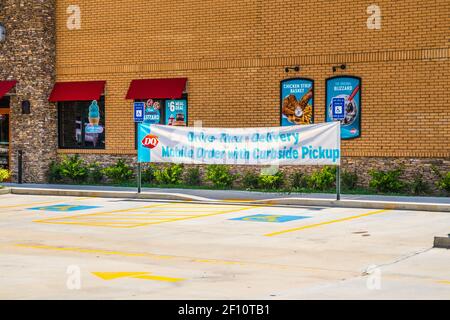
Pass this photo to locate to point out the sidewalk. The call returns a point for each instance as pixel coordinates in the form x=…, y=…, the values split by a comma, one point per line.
x=316, y=199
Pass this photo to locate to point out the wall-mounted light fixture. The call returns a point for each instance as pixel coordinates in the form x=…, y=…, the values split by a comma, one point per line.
x=294, y=68
x=26, y=107
x=2, y=33
x=342, y=67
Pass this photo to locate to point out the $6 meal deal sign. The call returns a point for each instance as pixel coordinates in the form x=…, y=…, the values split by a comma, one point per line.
x=318, y=144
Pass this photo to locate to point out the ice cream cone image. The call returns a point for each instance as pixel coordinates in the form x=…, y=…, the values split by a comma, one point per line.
x=94, y=121
x=94, y=114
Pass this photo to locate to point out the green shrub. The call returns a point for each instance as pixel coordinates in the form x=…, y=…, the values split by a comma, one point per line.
x=148, y=174
x=444, y=182
x=95, y=174
x=54, y=172
x=250, y=180
x=169, y=175
x=419, y=186
x=192, y=177
x=444, y=179
x=271, y=182
x=349, y=180
x=220, y=176
x=386, y=181
x=118, y=173
x=4, y=175
x=73, y=168
x=299, y=181
x=323, y=179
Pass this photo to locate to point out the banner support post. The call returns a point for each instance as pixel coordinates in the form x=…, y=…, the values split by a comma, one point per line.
x=139, y=180
x=338, y=183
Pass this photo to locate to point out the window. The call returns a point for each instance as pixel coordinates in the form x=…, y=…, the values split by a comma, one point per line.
x=171, y=112
x=5, y=101
x=81, y=124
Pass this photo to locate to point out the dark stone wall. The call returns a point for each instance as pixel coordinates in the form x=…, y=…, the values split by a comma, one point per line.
x=28, y=56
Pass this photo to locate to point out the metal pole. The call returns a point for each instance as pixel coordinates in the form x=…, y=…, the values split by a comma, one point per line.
x=139, y=180
x=338, y=183
x=20, y=167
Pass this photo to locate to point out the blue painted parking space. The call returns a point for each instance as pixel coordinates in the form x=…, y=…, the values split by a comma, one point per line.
x=270, y=218
x=64, y=208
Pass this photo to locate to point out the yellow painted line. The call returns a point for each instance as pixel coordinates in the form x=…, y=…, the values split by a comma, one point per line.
x=159, y=278
x=100, y=224
x=135, y=275
x=101, y=213
x=94, y=251
x=118, y=219
x=32, y=204
x=168, y=211
x=138, y=216
x=315, y=225
x=155, y=256
x=146, y=255
x=197, y=217
x=107, y=221
x=117, y=275
x=203, y=206
x=444, y=282
x=99, y=219
x=213, y=261
x=189, y=259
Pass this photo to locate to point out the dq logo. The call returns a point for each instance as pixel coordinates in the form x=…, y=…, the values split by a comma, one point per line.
x=150, y=141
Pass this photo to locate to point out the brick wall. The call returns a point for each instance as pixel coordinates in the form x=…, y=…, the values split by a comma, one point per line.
x=234, y=54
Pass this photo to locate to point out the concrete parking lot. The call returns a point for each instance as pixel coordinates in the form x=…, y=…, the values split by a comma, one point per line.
x=93, y=248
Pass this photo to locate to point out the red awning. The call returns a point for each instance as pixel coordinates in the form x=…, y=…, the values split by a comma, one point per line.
x=6, y=86
x=157, y=89
x=77, y=91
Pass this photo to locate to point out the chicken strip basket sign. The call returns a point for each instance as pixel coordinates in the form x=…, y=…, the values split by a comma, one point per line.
x=317, y=144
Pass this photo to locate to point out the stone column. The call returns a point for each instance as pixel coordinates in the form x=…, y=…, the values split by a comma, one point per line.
x=28, y=56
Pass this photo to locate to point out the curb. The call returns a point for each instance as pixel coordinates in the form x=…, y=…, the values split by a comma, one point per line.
x=107, y=194
x=413, y=206
x=301, y=202
x=442, y=242
x=5, y=191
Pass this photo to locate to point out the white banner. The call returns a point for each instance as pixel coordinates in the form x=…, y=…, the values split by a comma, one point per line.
x=318, y=144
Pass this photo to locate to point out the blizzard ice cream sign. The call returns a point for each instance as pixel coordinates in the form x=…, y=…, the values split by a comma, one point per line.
x=297, y=145
x=94, y=126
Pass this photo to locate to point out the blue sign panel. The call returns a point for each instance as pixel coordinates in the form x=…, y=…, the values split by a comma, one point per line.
x=64, y=208
x=344, y=93
x=139, y=108
x=176, y=113
x=270, y=218
x=338, y=108
x=297, y=101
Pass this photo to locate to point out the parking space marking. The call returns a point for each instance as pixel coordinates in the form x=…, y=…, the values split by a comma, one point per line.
x=123, y=219
x=135, y=275
x=39, y=203
x=315, y=225
x=270, y=218
x=199, y=260
x=64, y=208
x=112, y=211
x=159, y=278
